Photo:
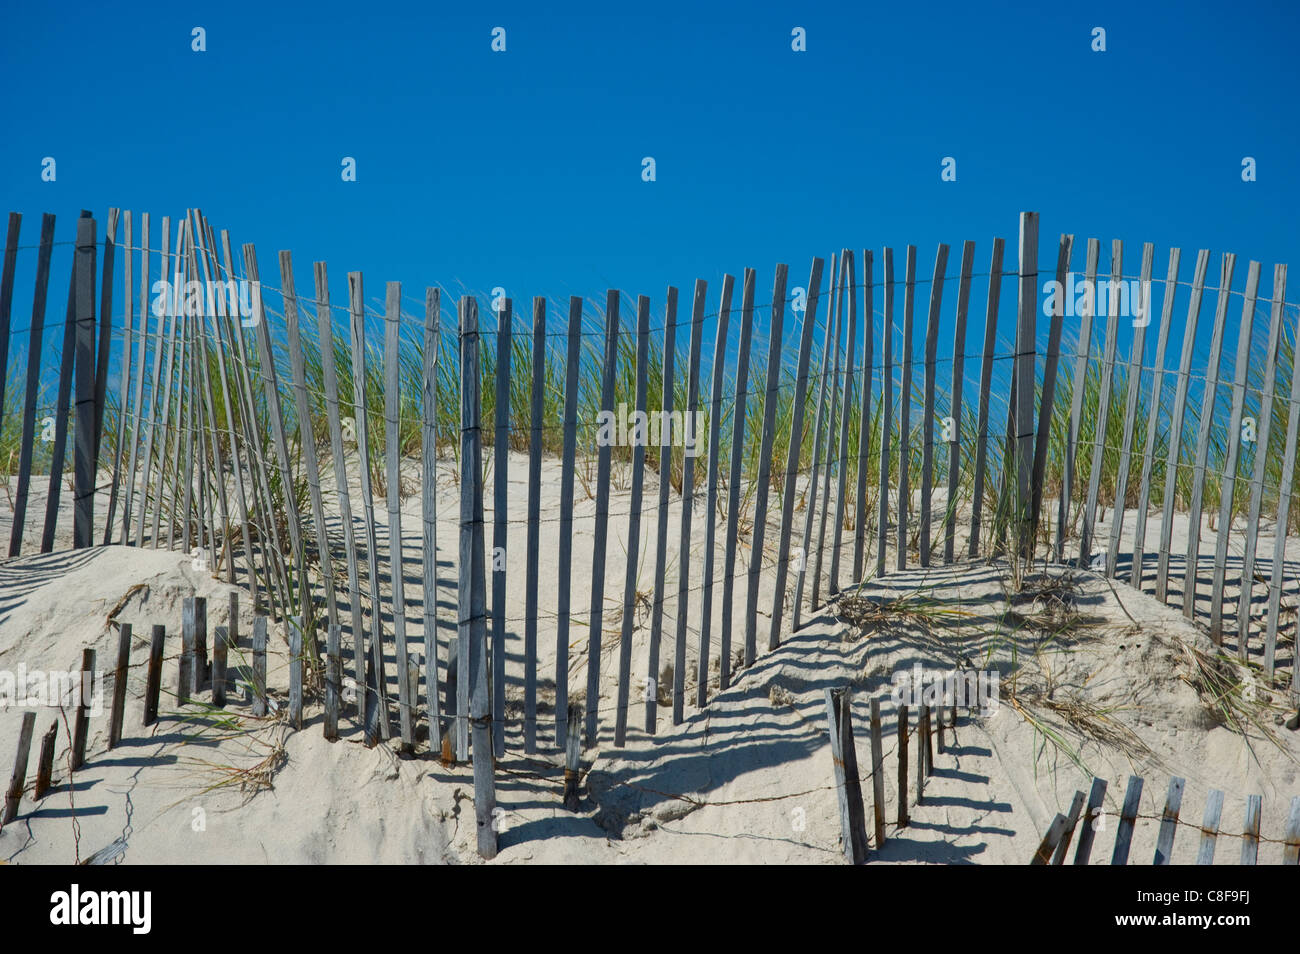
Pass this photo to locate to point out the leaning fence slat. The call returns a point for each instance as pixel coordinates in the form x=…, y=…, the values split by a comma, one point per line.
x=159, y=412
x=117, y=483
x=1103, y=404
x=596, y=616
x=7, y=297
x=864, y=421
x=1047, y=403
x=688, y=507
x=535, y=437
x=563, y=597
x=842, y=459
x=905, y=409
x=1281, y=528
x=500, y=489
x=119, y=685
x=792, y=454
x=1262, y=439
x=1206, y=411
x=128, y=500
x=45, y=762
x=927, y=418
x=833, y=461
x=986, y=384
x=739, y=413
x=634, y=528
x=1127, y=818
x=1228, y=478
x=848, y=788
x=1250, y=833
x=1153, y=415
x=1176, y=433
x=1210, y=827
x=1072, y=819
x=1051, y=840
x=710, y=495
x=406, y=693
x=17, y=781
x=104, y=342
x=1078, y=389
x=1169, y=822
x=886, y=410
x=955, y=405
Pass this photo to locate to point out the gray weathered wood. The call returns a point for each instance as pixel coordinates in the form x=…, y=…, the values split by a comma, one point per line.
x=1051, y=840
x=406, y=693
x=45, y=762
x=986, y=384
x=927, y=408
x=1291, y=848
x=710, y=496
x=1210, y=827
x=152, y=502
x=220, y=647
x=886, y=411
x=429, y=509
x=7, y=297
x=1228, y=478
x=1127, y=818
x=905, y=409
x=1087, y=312
x=1206, y=413
x=119, y=684
x=688, y=509
x=86, y=438
x=832, y=461
x=922, y=751
x=848, y=788
x=1103, y=402
x=1176, y=432
x=185, y=672
x=955, y=404
x=902, y=763
x=572, y=759
x=661, y=532
x=633, y=548
x=1047, y=403
x=500, y=490
x=294, y=632
x=564, y=596
x=1282, y=525
x=774, y=342
x=792, y=457
x=125, y=402
x=17, y=781
x=81, y=725
x=1153, y=416
x=202, y=671
x=104, y=340
x=128, y=500
x=153, y=682
x=1072, y=819
x=535, y=440
x=259, y=665
x=878, y=768
x=864, y=421
x=739, y=413
x=1250, y=833
x=1169, y=822
x=333, y=669
x=842, y=460
x=1262, y=440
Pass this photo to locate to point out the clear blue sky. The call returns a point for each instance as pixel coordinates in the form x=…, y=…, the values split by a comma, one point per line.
x=523, y=169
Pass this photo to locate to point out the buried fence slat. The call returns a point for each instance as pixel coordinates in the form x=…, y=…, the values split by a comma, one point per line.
x=927, y=413
x=1083, y=354
x=739, y=413
x=902, y=766
x=832, y=460
x=377, y=724
x=406, y=693
x=922, y=747
x=153, y=683
x=864, y=421
x=829, y=341
x=1282, y=526
x=1176, y=433
x=1047, y=403
x=792, y=455
x=220, y=648
x=45, y=762
x=927, y=714
x=596, y=616
x=500, y=489
x=259, y=665
x=1127, y=818
x=986, y=383
x=563, y=597
x=848, y=788
x=18, y=780
x=1142, y=310
x=1153, y=415
x=1250, y=834
x=765, y=462
x=1210, y=827
x=1291, y=849
x=1206, y=413
x=710, y=494
x=31, y=394
x=81, y=725
x=6, y=298
x=1051, y=840
x=429, y=510
x=634, y=531
x=955, y=406
x=1228, y=478
x=661, y=533
x=878, y=768
x=535, y=437
x=338, y=463
x=185, y=672
x=201, y=667
x=84, y=434
x=119, y=684
x=1076, y=808
x=1169, y=822
x=1103, y=403
x=572, y=757
x=1096, y=796
x=886, y=409
x=842, y=460
x=905, y=408
x=688, y=507
x=1262, y=438
x=333, y=669
x=295, y=627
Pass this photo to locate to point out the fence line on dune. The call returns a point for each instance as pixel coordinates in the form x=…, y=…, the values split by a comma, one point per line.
x=217, y=454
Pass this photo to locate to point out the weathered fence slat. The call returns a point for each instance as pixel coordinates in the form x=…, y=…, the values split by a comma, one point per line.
x=710, y=493
x=842, y=459
x=81, y=725
x=406, y=693
x=877, y=768
x=864, y=421
x=1281, y=526
x=125, y=403
x=84, y=453
x=688, y=508
x=955, y=401
x=1072, y=819
x=104, y=341
x=634, y=531
x=45, y=762
x=429, y=511
x=736, y=476
x=332, y=682
x=765, y=462
x=119, y=684
x=259, y=665
x=1210, y=827
x=1047, y=403
x=1153, y=415
x=137, y=404
x=848, y=787
x=1208, y=401
x=185, y=672
x=1127, y=818
x=1078, y=382
x=665, y=464
x=927, y=412
x=1176, y=433
x=1169, y=822
x=295, y=634
x=1103, y=404
x=833, y=461
x=220, y=647
x=563, y=611
x=1250, y=833
x=886, y=410
x=17, y=781
x=153, y=683
x=1291, y=848
x=535, y=437
x=500, y=491
x=7, y=297
x=902, y=766
x=905, y=409
x=572, y=760
x=986, y=384
x=1051, y=840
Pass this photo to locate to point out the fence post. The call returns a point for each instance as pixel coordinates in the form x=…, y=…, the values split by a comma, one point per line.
x=119, y=684
x=81, y=726
x=45, y=762
x=153, y=686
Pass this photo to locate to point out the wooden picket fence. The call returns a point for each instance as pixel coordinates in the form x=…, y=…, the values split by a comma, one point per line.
x=190, y=469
